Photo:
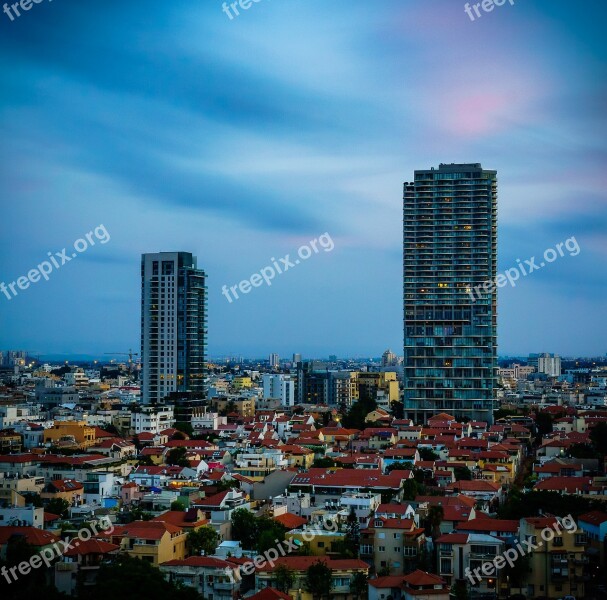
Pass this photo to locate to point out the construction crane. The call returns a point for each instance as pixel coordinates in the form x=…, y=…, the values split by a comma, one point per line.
x=130, y=354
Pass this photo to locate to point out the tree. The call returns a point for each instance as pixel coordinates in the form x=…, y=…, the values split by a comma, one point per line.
x=398, y=409
x=462, y=474
x=178, y=505
x=436, y=514
x=178, y=457
x=318, y=580
x=202, y=540
x=244, y=528
x=58, y=506
x=227, y=484
x=427, y=454
x=323, y=463
x=284, y=578
x=598, y=437
x=399, y=466
x=269, y=531
x=543, y=422
x=460, y=591
x=359, y=585
x=352, y=537
x=412, y=488
x=143, y=581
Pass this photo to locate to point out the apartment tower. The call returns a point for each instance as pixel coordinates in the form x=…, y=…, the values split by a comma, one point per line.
x=450, y=331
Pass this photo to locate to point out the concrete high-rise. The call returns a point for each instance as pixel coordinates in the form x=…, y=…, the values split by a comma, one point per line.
x=173, y=325
x=450, y=335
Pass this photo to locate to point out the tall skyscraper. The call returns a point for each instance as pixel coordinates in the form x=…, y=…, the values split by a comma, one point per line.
x=450, y=331
x=274, y=360
x=173, y=325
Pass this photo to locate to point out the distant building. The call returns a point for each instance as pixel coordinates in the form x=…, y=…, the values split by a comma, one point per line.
x=549, y=364
x=274, y=360
x=388, y=359
x=279, y=386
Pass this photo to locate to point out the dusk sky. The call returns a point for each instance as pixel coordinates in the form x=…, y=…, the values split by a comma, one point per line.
x=240, y=140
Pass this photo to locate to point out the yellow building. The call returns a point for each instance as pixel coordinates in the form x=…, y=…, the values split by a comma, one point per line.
x=238, y=383
x=319, y=541
x=384, y=385
x=298, y=456
x=153, y=541
x=78, y=433
x=556, y=566
x=245, y=407
x=342, y=573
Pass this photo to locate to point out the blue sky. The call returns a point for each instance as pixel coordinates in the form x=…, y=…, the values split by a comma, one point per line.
x=239, y=140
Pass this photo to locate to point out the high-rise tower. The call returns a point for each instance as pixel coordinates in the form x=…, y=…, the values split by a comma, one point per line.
x=173, y=325
x=450, y=331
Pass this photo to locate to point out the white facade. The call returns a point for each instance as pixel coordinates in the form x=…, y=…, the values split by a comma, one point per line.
x=152, y=420
x=26, y=516
x=279, y=386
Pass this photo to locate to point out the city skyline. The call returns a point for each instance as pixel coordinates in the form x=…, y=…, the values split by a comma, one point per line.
x=257, y=144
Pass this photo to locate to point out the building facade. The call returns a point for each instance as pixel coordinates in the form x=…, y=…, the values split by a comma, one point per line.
x=173, y=325
x=450, y=299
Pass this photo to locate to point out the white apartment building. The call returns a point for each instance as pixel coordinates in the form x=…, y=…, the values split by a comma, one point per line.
x=152, y=419
x=279, y=386
x=22, y=516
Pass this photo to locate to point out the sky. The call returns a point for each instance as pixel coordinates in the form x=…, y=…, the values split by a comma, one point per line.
x=175, y=127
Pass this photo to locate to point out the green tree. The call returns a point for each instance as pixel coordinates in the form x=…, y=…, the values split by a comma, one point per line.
x=412, y=488
x=318, y=580
x=399, y=466
x=284, y=578
x=178, y=505
x=543, y=422
x=436, y=514
x=359, y=585
x=177, y=457
x=323, y=463
x=460, y=591
x=58, y=506
x=598, y=437
x=269, y=531
x=140, y=578
x=427, y=454
x=352, y=537
x=204, y=539
x=462, y=474
x=244, y=528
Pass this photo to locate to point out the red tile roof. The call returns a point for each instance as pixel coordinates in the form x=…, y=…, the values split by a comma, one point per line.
x=199, y=561
x=594, y=517
x=91, y=546
x=372, y=478
x=33, y=536
x=301, y=563
x=290, y=521
x=269, y=593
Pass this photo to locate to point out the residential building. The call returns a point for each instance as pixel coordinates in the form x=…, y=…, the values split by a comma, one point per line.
x=156, y=542
x=76, y=434
x=549, y=364
x=556, y=566
x=173, y=325
x=461, y=553
x=211, y=577
x=395, y=545
x=279, y=386
x=152, y=419
x=342, y=572
x=417, y=585
x=450, y=303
